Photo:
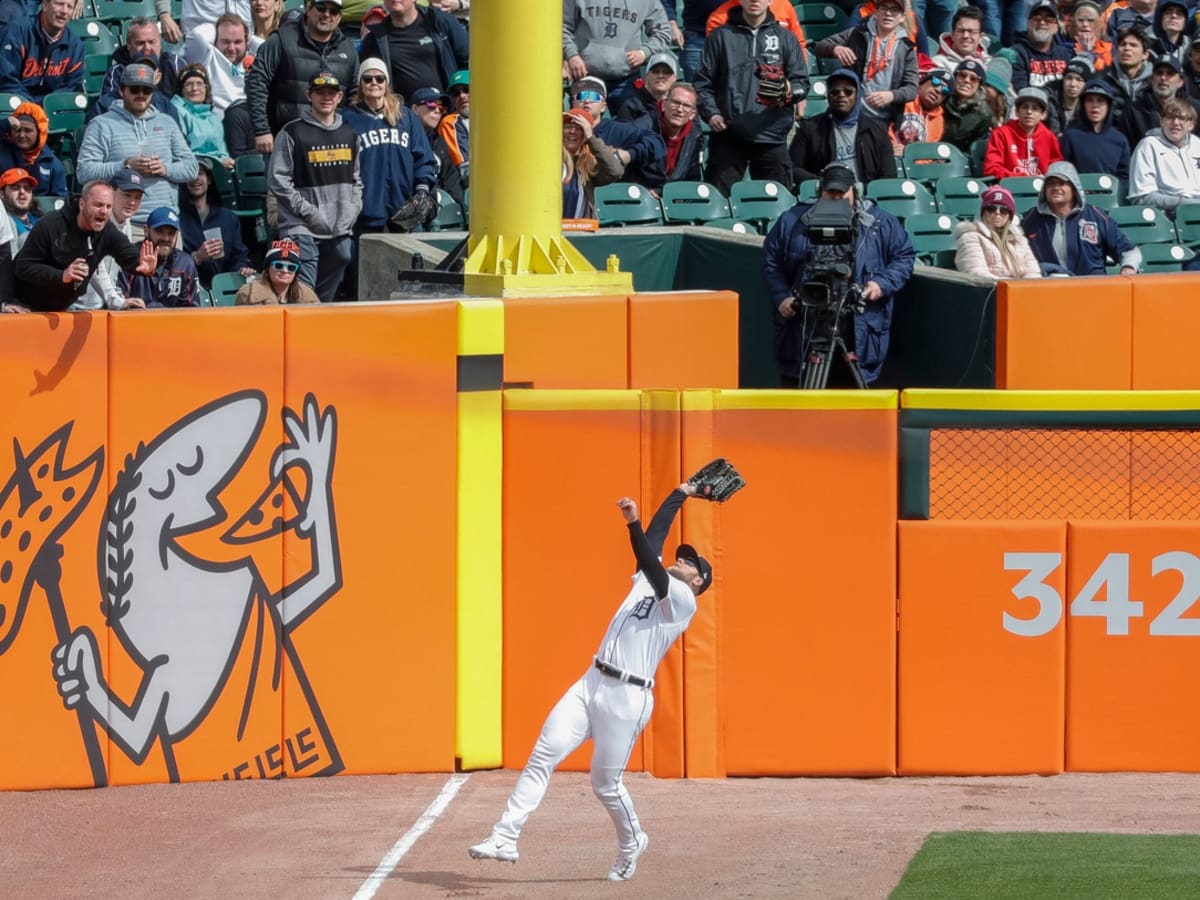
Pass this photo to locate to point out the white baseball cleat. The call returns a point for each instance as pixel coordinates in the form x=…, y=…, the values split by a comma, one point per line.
x=626, y=865
x=495, y=848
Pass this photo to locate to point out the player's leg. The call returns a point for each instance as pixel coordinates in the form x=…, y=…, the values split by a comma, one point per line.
x=565, y=729
x=619, y=713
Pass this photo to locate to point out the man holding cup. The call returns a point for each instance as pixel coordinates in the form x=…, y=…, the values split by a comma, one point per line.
x=212, y=234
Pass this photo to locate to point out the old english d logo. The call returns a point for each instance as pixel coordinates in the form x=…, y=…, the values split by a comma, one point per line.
x=212, y=642
x=643, y=608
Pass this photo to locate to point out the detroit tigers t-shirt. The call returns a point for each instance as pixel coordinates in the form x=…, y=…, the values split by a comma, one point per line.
x=645, y=627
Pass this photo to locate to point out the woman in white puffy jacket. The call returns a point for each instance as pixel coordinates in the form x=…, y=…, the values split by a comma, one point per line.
x=993, y=245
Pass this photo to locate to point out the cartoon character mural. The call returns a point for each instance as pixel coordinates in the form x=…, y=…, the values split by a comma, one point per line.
x=211, y=642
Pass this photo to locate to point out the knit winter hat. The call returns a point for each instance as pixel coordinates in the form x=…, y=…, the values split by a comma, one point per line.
x=997, y=196
x=1080, y=66
x=999, y=74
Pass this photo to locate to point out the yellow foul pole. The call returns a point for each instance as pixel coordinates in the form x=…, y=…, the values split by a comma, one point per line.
x=516, y=246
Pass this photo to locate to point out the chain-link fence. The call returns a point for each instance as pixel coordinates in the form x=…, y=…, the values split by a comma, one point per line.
x=995, y=473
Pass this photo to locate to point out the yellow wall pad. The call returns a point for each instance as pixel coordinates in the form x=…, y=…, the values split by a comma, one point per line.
x=806, y=400
x=1065, y=401
x=559, y=401
x=479, y=564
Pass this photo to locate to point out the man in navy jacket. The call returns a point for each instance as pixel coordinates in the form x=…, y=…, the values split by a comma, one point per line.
x=883, y=263
x=39, y=55
x=1069, y=235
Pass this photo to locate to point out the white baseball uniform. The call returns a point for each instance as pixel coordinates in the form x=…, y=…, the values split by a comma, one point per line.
x=613, y=708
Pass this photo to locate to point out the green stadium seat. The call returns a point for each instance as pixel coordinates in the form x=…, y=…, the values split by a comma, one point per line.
x=66, y=112
x=626, y=204
x=901, y=196
x=118, y=13
x=931, y=233
x=692, y=202
x=1102, y=190
x=95, y=66
x=975, y=153
x=450, y=215
x=959, y=196
x=1165, y=257
x=96, y=36
x=1187, y=223
x=760, y=202
x=807, y=190
x=1025, y=189
x=928, y=163
x=250, y=184
x=225, y=286
x=1144, y=224
x=820, y=14
x=9, y=102
x=731, y=224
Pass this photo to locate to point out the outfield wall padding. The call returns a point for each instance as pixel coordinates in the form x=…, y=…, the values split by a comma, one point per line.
x=808, y=555
x=1133, y=685
x=975, y=698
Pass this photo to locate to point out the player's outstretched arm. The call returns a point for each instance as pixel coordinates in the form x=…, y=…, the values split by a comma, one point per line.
x=647, y=559
x=660, y=525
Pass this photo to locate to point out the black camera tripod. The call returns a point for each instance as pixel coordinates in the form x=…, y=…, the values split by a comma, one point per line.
x=825, y=341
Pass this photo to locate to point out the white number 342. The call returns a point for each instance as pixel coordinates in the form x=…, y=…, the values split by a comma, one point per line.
x=1111, y=579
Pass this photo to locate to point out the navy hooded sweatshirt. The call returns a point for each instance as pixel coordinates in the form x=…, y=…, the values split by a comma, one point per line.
x=1090, y=151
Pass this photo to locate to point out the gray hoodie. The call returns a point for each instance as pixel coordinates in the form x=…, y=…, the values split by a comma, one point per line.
x=603, y=31
x=116, y=136
x=315, y=178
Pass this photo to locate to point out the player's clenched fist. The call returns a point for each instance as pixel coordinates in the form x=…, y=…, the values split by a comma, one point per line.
x=628, y=509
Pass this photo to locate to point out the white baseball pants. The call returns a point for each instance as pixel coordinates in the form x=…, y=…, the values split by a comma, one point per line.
x=612, y=714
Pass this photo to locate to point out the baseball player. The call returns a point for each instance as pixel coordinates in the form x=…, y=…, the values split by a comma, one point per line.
x=612, y=702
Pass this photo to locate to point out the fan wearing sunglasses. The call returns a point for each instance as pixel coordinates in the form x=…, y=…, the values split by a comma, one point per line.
x=843, y=134
x=993, y=246
x=135, y=135
x=278, y=282
x=277, y=83
x=419, y=44
x=314, y=176
x=922, y=119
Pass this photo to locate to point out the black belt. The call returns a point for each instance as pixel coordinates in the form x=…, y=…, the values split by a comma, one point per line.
x=622, y=675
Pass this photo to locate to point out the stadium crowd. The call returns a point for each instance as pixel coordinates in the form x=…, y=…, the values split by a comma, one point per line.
x=225, y=135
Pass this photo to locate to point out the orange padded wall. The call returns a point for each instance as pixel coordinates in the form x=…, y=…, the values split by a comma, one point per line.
x=55, y=374
x=566, y=342
x=568, y=457
x=1165, y=319
x=975, y=698
x=1059, y=334
x=1133, y=685
x=683, y=340
x=807, y=639
x=391, y=623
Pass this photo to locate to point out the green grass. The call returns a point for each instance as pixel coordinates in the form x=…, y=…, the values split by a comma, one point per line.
x=978, y=865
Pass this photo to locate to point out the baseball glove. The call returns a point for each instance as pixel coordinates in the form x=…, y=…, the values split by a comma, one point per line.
x=419, y=209
x=718, y=480
x=773, y=87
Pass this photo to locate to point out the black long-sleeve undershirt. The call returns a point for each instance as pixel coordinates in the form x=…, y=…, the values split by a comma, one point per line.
x=647, y=545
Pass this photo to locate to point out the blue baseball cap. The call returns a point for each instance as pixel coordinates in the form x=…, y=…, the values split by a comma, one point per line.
x=163, y=217
x=128, y=180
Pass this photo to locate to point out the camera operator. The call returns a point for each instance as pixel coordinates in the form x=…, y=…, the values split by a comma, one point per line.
x=877, y=260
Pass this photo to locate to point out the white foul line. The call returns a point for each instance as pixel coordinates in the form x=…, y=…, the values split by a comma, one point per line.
x=402, y=846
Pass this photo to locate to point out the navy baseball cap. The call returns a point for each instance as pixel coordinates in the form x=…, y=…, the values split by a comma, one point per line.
x=427, y=95
x=163, y=217
x=128, y=180
x=688, y=553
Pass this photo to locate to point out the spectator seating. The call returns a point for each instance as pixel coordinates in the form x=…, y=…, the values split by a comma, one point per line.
x=1164, y=257
x=901, y=197
x=959, y=195
x=626, y=204
x=9, y=102
x=818, y=97
x=928, y=163
x=760, y=202
x=66, y=112
x=1187, y=223
x=931, y=233
x=1143, y=224
x=1102, y=190
x=116, y=13
x=692, y=202
x=95, y=66
x=1024, y=189
x=807, y=190
x=225, y=287
x=731, y=224
x=820, y=20
x=975, y=153
x=97, y=37
x=250, y=180
x=450, y=216
x=224, y=179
